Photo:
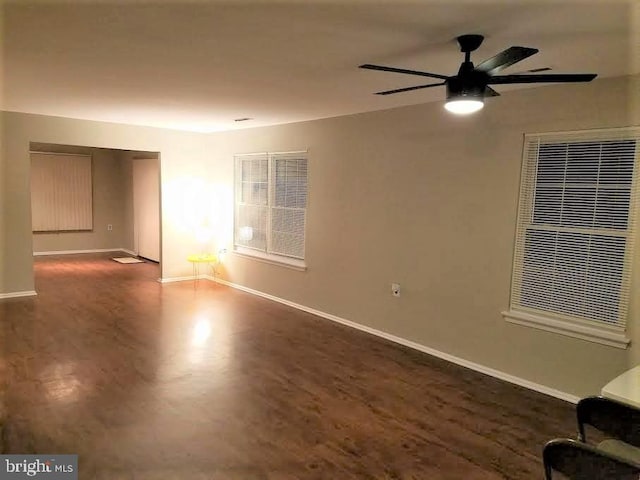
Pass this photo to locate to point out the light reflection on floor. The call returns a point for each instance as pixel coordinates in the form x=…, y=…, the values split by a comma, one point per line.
x=60, y=382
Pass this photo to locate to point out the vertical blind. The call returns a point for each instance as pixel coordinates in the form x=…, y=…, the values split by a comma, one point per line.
x=576, y=225
x=271, y=203
x=61, y=192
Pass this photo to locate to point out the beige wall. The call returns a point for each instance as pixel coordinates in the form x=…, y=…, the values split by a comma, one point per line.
x=420, y=197
x=411, y=195
x=109, y=192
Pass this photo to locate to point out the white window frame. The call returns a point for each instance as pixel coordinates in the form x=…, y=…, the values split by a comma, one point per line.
x=266, y=255
x=596, y=331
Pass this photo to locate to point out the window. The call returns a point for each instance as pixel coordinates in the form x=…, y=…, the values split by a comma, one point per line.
x=575, y=234
x=61, y=195
x=271, y=206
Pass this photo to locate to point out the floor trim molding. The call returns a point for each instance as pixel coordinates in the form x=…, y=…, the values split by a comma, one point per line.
x=408, y=343
x=72, y=252
x=26, y=293
x=184, y=279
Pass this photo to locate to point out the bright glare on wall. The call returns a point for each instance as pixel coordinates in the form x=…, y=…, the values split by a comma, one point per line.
x=200, y=210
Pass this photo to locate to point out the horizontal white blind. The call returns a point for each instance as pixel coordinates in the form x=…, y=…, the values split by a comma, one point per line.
x=252, y=201
x=61, y=192
x=576, y=226
x=289, y=203
x=271, y=202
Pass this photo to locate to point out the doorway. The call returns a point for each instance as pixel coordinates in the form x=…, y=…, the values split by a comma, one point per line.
x=146, y=208
x=124, y=209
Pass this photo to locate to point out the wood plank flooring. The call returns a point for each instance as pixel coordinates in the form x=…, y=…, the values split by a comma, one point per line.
x=151, y=381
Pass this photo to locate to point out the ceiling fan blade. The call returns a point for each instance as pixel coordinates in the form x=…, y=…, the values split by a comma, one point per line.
x=407, y=89
x=505, y=59
x=551, y=78
x=402, y=70
x=533, y=70
x=538, y=70
x=490, y=92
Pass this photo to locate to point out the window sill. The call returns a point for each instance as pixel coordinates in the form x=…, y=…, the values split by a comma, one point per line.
x=604, y=335
x=292, y=263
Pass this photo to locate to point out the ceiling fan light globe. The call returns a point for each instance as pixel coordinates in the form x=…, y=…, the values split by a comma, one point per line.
x=463, y=106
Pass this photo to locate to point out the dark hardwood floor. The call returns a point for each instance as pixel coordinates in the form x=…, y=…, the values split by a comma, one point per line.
x=151, y=381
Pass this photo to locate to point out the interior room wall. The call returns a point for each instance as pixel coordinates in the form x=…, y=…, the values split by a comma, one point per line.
x=108, y=209
x=420, y=197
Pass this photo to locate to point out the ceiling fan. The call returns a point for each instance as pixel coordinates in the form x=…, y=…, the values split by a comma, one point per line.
x=467, y=89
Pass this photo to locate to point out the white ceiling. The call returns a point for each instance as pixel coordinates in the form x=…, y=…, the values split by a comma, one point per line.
x=199, y=65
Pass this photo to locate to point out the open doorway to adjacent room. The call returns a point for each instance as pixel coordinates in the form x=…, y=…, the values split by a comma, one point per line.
x=88, y=200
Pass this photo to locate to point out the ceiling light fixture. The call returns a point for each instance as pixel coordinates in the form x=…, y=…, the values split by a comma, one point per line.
x=464, y=98
x=463, y=106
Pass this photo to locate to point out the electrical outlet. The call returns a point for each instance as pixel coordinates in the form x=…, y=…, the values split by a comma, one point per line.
x=395, y=289
x=109, y=227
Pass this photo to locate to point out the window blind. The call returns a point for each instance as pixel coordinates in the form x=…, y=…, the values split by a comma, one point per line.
x=576, y=228
x=61, y=192
x=271, y=202
x=288, y=212
x=252, y=198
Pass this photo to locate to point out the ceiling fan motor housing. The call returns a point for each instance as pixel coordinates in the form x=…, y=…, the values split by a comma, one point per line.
x=460, y=88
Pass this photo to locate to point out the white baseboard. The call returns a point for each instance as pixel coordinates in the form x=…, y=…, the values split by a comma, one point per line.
x=72, y=252
x=26, y=293
x=184, y=279
x=130, y=252
x=416, y=346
